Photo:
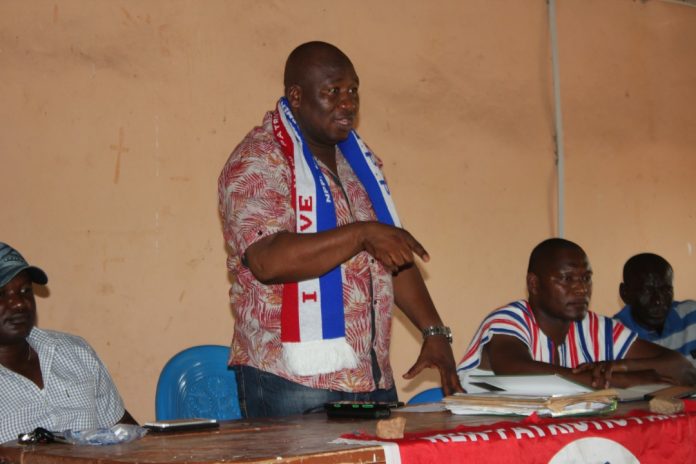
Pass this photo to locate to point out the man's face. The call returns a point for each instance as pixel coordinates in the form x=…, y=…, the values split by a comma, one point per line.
x=564, y=286
x=326, y=103
x=650, y=295
x=17, y=309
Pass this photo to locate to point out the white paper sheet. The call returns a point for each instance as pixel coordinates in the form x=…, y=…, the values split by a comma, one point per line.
x=537, y=385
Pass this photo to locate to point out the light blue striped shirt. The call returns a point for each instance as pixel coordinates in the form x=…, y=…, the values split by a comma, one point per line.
x=678, y=333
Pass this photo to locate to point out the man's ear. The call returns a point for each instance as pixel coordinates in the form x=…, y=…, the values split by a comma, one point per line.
x=532, y=283
x=624, y=293
x=294, y=95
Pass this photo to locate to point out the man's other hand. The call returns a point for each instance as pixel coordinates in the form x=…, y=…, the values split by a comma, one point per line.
x=437, y=352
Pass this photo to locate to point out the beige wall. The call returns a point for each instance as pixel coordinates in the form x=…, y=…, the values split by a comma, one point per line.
x=117, y=117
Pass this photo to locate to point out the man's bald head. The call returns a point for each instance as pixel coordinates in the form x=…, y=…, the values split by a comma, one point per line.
x=544, y=253
x=308, y=56
x=642, y=264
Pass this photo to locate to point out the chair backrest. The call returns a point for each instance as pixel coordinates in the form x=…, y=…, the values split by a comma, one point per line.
x=197, y=383
x=431, y=395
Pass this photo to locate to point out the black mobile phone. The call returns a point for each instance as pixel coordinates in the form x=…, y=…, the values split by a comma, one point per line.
x=359, y=409
x=177, y=425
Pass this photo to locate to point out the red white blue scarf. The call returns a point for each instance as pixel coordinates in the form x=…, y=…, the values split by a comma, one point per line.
x=312, y=315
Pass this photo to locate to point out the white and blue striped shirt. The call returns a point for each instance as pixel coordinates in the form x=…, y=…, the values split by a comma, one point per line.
x=595, y=338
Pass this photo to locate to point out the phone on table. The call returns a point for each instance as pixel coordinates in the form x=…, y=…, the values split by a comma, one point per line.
x=176, y=425
x=360, y=409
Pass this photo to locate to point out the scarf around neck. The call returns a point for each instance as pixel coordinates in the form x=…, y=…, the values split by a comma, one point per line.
x=312, y=312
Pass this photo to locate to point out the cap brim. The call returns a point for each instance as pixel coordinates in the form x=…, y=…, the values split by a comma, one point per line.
x=37, y=275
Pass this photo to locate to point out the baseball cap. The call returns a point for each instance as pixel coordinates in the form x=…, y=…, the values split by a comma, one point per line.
x=12, y=263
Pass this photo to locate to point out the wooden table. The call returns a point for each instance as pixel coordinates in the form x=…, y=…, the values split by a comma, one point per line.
x=295, y=439
x=298, y=439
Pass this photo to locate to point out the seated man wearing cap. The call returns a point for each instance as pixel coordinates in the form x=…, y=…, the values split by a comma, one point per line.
x=47, y=379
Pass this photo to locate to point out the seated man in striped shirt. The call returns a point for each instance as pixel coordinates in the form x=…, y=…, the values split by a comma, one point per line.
x=650, y=309
x=553, y=332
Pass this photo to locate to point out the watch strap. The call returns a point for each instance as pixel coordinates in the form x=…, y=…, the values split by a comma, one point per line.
x=437, y=330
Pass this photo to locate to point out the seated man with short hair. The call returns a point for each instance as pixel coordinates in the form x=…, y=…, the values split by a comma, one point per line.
x=650, y=309
x=47, y=379
x=554, y=332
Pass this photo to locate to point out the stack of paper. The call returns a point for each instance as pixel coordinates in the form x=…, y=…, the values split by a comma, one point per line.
x=554, y=385
x=554, y=406
x=546, y=395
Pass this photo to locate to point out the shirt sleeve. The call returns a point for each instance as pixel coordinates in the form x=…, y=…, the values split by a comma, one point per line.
x=109, y=404
x=508, y=320
x=254, y=193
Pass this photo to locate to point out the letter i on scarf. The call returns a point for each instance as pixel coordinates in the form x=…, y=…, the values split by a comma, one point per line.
x=312, y=315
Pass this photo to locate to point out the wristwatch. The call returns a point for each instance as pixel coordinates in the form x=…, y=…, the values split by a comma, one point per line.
x=438, y=330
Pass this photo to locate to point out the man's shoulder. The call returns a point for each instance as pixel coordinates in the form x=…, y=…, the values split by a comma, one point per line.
x=259, y=146
x=513, y=319
x=684, y=308
x=59, y=339
x=259, y=141
x=517, y=306
x=517, y=310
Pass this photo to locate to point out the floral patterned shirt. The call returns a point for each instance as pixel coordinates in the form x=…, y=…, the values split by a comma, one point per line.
x=255, y=202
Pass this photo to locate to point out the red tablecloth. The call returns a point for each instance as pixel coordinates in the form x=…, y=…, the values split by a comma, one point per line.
x=639, y=436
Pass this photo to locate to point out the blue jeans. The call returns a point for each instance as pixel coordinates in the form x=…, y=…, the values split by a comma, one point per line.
x=262, y=394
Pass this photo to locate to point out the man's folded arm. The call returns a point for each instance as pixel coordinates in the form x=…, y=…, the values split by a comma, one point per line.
x=670, y=365
x=508, y=355
x=291, y=257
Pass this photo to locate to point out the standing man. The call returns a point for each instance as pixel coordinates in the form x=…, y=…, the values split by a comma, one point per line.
x=650, y=309
x=317, y=254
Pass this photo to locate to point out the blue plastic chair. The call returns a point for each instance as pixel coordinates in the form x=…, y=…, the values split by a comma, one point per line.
x=197, y=383
x=431, y=395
